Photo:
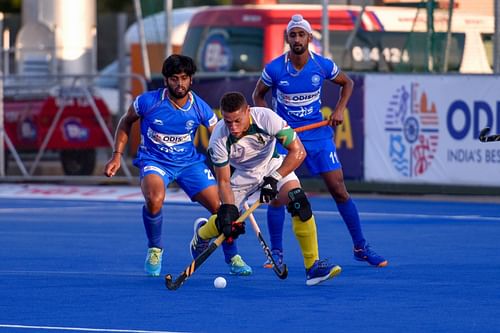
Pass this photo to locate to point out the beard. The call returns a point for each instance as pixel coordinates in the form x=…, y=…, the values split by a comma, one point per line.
x=298, y=49
x=179, y=93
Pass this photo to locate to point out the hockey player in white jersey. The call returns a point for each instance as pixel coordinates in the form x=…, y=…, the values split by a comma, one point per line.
x=245, y=140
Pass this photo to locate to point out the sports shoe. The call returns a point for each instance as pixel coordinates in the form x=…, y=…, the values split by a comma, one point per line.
x=368, y=255
x=152, y=265
x=198, y=245
x=321, y=271
x=238, y=267
x=277, y=256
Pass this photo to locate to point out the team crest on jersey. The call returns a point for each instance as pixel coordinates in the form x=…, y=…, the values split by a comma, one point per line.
x=315, y=79
x=236, y=152
x=189, y=125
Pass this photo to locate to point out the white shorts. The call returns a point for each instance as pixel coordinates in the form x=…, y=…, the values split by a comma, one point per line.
x=244, y=183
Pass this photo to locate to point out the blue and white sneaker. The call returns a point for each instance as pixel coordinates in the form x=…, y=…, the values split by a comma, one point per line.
x=278, y=258
x=368, y=255
x=152, y=265
x=198, y=245
x=238, y=267
x=321, y=271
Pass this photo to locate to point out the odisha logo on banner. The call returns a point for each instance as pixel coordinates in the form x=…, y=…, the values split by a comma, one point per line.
x=412, y=126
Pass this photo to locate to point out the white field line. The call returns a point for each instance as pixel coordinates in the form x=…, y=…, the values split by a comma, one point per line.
x=79, y=329
x=196, y=207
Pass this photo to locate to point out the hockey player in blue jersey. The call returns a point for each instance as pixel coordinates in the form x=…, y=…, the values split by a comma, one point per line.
x=296, y=79
x=169, y=118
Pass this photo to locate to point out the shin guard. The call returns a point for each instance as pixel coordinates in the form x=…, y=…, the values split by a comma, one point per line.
x=306, y=235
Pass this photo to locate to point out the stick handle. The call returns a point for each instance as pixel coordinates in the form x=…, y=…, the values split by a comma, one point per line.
x=311, y=126
x=280, y=270
x=252, y=220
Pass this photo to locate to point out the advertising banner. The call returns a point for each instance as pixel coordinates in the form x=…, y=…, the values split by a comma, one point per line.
x=425, y=129
x=348, y=138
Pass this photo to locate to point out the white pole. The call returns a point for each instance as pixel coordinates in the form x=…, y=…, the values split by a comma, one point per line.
x=325, y=31
x=168, y=28
x=6, y=51
x=142, y=40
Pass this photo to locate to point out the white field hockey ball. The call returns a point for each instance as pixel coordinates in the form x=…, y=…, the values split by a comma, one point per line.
x=220, y=282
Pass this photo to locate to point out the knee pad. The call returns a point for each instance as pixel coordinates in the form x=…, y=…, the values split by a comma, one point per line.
x=299, y=205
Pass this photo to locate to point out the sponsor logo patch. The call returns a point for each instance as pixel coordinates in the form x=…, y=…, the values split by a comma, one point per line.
x=412, y=127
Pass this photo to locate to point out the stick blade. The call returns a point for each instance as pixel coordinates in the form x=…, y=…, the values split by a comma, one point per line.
x=483, y=134
x=282, y=272
x=170, y=284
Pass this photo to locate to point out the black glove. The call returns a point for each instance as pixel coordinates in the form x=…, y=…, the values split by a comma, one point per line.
x=269, y=189
x=237, y=228
x=226, y=216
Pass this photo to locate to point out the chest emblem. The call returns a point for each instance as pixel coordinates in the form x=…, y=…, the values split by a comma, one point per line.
x=315, y=80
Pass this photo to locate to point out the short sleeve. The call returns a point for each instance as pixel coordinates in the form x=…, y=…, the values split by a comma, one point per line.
x=330, y=67
x=218, y=152
x=137, y=106
x=267, y=76
x=208, y=117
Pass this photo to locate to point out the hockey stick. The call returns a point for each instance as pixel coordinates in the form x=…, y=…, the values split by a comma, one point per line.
x=281, y=271
x=196, y=263
x=483, y=137
x=311, y=126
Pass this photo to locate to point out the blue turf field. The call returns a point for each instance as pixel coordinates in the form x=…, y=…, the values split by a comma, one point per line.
x=78, y=265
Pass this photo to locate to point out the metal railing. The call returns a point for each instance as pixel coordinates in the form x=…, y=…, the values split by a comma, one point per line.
x=65, y=88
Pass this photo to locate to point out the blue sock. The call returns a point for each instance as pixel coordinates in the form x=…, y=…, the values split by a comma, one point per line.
x=230, y=250
x=349, y=213
x=275, y=222
x=152, y=224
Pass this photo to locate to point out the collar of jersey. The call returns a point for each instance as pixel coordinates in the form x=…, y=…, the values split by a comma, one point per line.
x=288, y=62
x=190, y=101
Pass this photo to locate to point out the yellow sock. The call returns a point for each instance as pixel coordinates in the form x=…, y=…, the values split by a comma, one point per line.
x=209, y=230
x=305, y=232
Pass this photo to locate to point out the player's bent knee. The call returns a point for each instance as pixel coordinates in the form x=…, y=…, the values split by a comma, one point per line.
x=154, y=205
x=299, y=204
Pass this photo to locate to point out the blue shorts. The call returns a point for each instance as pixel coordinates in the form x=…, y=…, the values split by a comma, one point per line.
x=321, y=156
x=192, y=179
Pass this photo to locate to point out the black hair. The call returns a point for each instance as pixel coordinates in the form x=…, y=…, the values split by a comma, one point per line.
x=177, y=63
x=232, y=101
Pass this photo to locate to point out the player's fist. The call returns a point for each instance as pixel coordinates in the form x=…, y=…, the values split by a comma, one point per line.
x=226, y=215
x=269, y=189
